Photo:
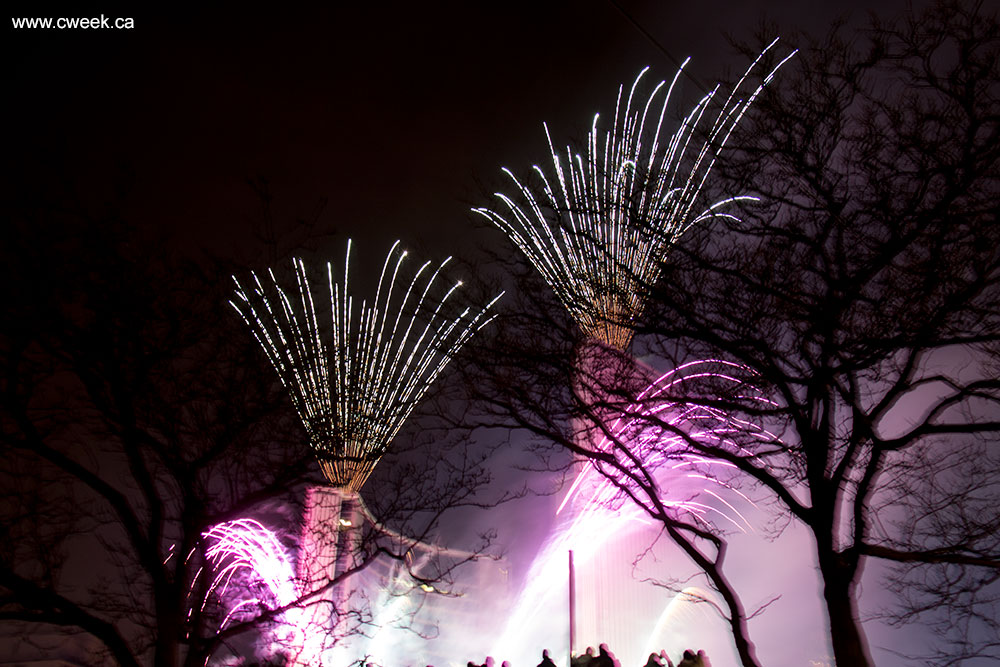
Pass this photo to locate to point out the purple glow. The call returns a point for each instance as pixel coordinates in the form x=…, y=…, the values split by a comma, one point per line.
x=253, y=574
x=659, y=429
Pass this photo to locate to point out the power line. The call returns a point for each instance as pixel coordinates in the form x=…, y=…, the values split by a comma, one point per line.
x=662, y=49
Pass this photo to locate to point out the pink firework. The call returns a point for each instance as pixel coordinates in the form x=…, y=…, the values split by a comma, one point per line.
x=253, y=574
x=659, y=434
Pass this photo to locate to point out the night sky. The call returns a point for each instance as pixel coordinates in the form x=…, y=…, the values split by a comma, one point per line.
x=398, y=117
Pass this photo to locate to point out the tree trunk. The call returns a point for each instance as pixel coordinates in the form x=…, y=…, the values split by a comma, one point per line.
x=850, y=646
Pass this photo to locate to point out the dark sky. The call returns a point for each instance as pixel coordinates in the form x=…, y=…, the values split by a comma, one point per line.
x=391, y=113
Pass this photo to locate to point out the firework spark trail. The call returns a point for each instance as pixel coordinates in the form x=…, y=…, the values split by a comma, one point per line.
x=246, y=553
x=354, y=395
x=598, y=226
x=253, y=574
x=596, y=229
x=658, y=430
x=353, y=389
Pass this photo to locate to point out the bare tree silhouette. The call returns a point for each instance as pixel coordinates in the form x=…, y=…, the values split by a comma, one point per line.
x=861, y=297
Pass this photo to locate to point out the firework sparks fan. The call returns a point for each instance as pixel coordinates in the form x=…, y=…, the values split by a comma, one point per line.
x=355, y=386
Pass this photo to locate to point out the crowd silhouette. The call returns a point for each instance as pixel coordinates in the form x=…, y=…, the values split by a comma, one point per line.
x=605, y=658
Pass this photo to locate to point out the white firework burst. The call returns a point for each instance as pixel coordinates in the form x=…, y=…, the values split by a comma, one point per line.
x=354, y=389
x=597, y=226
